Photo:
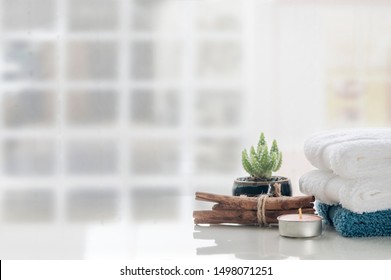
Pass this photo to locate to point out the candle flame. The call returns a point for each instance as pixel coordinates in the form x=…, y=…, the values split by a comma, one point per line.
x=300, y=214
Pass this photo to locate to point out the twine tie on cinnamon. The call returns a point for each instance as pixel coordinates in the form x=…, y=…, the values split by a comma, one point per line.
x=261, y=210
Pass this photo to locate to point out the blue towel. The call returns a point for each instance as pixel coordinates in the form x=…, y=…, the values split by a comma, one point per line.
x=350, y=224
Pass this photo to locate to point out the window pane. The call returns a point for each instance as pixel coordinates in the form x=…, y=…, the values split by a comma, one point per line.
x=215, y=16
x=155, y=157
x=87, y=157
x=28, y=108
x=29, y=61
x=93, y=14
x=155, y=60
x=217, y=156
x=219, y=60
x=150, y=107
x=28, y=15
x=92, y=107
x=29, y=206
x=92, y=60
x=29, y=157
x=218, y=108
x=157, y=15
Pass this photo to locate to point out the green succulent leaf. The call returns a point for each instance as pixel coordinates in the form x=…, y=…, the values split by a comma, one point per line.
x=274, y=148
x=279, y=162
x=246, y=163
x=255, y=163
x=273, y=161
x=262, y=140
x=264, y=160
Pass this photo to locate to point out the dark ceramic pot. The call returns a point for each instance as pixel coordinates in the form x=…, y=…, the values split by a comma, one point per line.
x=250, y=187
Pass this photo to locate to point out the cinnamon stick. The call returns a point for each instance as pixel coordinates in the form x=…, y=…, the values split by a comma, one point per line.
x=230, y=202
x=250, y=203
x=226, y=216
x=245, y=217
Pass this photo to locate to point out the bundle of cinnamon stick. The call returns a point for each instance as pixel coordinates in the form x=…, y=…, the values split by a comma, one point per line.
x=244, y=210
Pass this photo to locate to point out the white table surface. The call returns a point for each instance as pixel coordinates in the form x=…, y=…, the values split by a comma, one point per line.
x=121, y=238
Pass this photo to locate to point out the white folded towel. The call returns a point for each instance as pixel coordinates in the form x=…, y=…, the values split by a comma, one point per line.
x=357, y=195
x=353, y=153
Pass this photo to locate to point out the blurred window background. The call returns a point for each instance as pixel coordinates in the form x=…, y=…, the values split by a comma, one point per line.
x=113, y=103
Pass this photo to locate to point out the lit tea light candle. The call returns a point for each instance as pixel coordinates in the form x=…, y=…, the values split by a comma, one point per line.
x=300, y=225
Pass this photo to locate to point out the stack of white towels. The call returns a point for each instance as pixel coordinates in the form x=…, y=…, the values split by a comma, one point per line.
x=353, y=169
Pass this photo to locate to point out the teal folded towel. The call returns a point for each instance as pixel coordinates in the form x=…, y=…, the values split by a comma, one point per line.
x=350, y=224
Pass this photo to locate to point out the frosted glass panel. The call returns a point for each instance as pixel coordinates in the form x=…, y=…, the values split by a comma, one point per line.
x=218, y=108
x=217, y=156
x=93, y=15
x=91, y=157
x=155, y=107
x=29, y=108
x=157, y=15
x=25, y=157
x=155, y=156
x=155, y=60
x=213, y=16
x=29, y=15
x=92, y=60
x=29, y=205
x=29, y=61
x=92, y=107
x=219, y=60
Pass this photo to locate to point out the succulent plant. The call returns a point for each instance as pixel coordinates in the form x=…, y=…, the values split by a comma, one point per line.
x=260, y=162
